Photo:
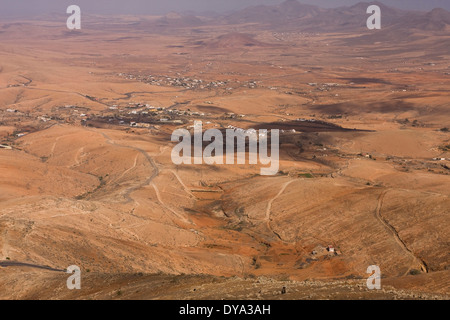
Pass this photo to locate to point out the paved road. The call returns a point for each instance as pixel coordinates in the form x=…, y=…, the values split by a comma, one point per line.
x=6, y=264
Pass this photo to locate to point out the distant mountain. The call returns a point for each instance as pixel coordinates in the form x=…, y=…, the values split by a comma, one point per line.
x=435, y=20
x=356, y=16
x=293, y=15
x=174, y=19
x=409, y=26
x=264, y=14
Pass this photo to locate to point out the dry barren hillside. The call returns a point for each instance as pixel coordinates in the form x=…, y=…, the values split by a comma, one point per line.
x=86, y=176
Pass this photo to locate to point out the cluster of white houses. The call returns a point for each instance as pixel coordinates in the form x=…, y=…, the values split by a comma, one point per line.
x=175, y=81
x=253, y=131
x=189, y=82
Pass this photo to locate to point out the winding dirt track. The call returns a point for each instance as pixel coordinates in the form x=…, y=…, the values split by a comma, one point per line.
x=397, y=238
x=145, y=154
x=269, y=209
x=186, y=189
x=158, y=196
x=147, y=182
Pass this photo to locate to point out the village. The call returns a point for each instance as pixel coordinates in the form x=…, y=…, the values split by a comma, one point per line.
x=188, y=83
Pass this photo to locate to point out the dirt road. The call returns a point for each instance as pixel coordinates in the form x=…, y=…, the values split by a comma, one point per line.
x=417, y=261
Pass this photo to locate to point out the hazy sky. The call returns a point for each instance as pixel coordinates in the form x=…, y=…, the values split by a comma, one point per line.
x=11, y=8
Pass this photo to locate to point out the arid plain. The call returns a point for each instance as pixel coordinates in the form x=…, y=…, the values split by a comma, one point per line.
x=86, y=176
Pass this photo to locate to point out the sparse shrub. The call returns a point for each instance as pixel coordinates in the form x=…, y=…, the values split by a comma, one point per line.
x=414, y=272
